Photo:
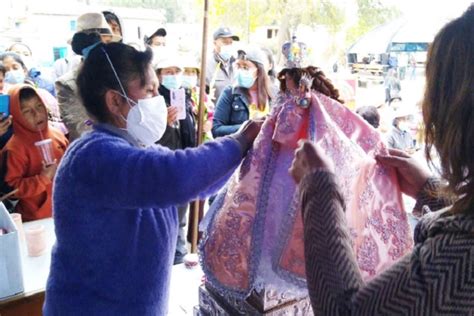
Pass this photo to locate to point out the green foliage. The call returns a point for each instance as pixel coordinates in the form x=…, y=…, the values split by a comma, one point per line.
x=371, y=13
x=274, y=12
x=173, y=9
x=285, y=14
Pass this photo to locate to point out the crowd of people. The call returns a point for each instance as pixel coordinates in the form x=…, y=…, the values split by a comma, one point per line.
x=110, y=106
x=66, y=116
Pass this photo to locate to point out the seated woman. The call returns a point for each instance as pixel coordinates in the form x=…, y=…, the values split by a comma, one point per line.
x=250, y=96
x=437, y=276
x=116, y=225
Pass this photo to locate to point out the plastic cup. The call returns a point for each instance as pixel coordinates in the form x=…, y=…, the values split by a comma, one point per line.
x=19, y=225
x=46, y=150
x=35, y=240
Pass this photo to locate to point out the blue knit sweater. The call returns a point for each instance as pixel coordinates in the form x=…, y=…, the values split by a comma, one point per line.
x=116, y=225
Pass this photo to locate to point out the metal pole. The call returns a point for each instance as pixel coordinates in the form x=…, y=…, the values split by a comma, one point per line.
x=202, y=95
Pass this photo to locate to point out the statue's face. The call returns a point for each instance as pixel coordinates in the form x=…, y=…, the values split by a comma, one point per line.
x=290, y=83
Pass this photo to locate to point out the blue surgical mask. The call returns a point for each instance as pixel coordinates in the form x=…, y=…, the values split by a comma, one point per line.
x=245, y=78
x=172, y=82
x=15, y=76
x=189, y=81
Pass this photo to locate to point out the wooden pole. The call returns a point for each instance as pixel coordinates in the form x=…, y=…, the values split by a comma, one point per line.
x=202, y=96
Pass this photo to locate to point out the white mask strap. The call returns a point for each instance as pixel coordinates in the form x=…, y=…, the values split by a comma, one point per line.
x=117, y=77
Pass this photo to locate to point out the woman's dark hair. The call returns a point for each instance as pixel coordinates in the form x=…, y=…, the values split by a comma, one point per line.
x=271, y=72
x=448, y=108
x=96, y=75
x=320, y=82
x=81, y=40
x=2, y=69
x=370, y=114
x=263, y=87
x=15, y=57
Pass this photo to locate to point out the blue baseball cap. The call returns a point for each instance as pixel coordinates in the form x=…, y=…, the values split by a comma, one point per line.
x=224, y=32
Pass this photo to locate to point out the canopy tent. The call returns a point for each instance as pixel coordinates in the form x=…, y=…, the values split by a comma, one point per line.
x=401, y=35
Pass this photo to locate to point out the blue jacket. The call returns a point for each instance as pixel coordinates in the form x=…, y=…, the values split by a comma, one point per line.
x=35, y=76
x=232, y=110
x=116, y=225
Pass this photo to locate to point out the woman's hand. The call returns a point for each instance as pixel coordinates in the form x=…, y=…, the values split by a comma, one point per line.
x=308, y=158
x=207, y=127
x=4, y=125
x=172, y=115
x=247, y=133
x=412, y=176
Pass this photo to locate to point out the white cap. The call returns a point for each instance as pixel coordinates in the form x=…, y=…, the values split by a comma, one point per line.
x=190, y=62
x=403, y=111
x=95, y=22
x=168, y=62
x=254, y=54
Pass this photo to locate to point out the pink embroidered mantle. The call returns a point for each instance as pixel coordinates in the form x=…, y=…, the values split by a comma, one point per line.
x=254, y=237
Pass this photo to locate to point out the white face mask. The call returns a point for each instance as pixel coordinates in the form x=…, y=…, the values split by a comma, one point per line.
x=160, y=52
x=227, y=51
x=147, y=120
x=404, y=126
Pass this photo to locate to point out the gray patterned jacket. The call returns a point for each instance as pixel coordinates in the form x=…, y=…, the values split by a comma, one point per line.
x=73, y=113
x=436, y=278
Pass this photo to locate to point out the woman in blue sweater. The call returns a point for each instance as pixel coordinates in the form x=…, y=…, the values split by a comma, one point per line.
x=116, y=225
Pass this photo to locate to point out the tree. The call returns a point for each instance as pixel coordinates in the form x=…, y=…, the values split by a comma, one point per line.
x=285, y=13
x=174, y=10
x=370, y=13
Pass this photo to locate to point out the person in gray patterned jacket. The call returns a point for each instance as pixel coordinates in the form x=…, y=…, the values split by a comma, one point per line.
x=437, y=277
x=92, y=28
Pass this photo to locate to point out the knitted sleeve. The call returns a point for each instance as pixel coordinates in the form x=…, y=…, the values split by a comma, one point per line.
x=434, y=279
x=73, y=113
x=115, y=174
